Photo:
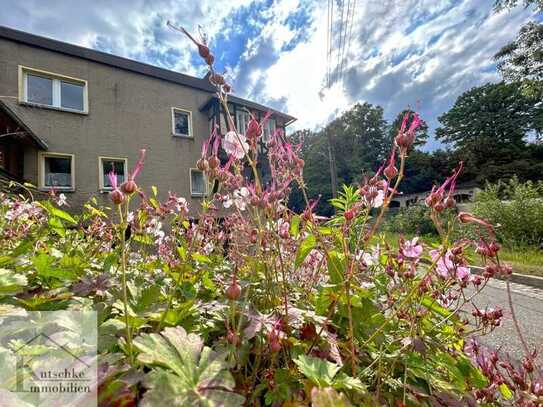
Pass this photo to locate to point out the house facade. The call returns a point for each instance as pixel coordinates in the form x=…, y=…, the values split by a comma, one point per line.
x=69, y=115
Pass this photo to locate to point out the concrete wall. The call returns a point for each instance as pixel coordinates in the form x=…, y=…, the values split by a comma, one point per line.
x=127, y=111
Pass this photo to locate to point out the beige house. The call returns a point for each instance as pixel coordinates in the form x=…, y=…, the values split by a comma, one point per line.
x=68, y=115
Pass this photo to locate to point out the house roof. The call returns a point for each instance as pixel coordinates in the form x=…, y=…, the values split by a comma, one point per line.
x=122, y=63
x=27, y=131
x=250, y=105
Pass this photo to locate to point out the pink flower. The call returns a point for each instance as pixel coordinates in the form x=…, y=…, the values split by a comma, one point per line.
x=130, y=186
x=447, y=268
x=411, y=248
x=116, y=195
x=235, y=144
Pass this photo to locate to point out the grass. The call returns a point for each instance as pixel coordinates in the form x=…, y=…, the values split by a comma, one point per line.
x=525, y=260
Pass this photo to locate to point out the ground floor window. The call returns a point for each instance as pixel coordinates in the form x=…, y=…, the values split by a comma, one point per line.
x=108, y=164
x=197, y=183
x=56, y=171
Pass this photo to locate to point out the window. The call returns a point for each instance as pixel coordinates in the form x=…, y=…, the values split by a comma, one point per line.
x=51, y=90
x=56, y=171
x=108, y=164
x=181, y=122
x=269, y=129
x=242, y=119
x=197, y=183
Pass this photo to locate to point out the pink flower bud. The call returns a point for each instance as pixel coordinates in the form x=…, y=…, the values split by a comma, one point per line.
x=117, y=197
x=390, y=171
x=129, y=187
x=233, y=292
x=217, y=79
x=210, y=59
x=202, y=164
x=203, y=50
x=213, y=162
x=232, y=338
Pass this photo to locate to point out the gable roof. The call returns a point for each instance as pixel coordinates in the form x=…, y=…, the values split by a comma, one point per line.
x=26, y=130
x=122, y=63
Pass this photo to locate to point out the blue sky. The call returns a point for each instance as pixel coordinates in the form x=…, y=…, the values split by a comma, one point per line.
x=419, y=53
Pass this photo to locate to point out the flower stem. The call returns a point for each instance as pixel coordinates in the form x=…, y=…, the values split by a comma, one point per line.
x=123, y=225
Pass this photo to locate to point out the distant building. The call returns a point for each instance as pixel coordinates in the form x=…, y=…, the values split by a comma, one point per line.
x=69, y=115
x=463, y=194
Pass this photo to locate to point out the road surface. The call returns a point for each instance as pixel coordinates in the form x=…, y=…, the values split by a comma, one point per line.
x=528, y=306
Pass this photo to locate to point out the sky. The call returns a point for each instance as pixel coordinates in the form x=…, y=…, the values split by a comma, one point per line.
x=397, y=54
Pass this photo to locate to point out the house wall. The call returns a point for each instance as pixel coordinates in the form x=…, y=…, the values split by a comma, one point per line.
x=127, y=112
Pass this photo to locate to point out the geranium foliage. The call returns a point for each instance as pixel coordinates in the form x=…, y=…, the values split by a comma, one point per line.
x=243, y=302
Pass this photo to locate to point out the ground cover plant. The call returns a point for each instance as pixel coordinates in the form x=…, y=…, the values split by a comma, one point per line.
x=263, y=306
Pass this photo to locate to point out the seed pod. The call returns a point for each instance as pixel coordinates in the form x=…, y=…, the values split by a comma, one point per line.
x=349, y=214
x=117, y=197
x=129, y=187
x=226, y=88
x=213, y=162
x=232, y=338
x=217, y=79
x=202, y=164
x=390, y=171
x=210, y=59
x=203, y=50
x=233, y=292
x=449, y=202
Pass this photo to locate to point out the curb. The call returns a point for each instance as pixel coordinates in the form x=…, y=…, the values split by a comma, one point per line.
x=525, y=279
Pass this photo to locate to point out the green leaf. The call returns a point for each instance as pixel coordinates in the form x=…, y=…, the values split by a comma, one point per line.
x=328, y=397
x=307, y=245
x=185, y=371
x=336, y=266
x=200, y=258
x=58, y=213
x=155, y=190
x=319, y=371
x=45, y=268
x=11, y=283
x=505, y=391
x=432, y=305
x=295, y=225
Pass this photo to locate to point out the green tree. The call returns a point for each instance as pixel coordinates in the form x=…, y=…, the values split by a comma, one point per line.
x=360, y=144
x=488, y=128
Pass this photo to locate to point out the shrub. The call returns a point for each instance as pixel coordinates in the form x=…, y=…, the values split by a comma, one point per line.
x=413, y=220
x=267, y=307
x=517, y=208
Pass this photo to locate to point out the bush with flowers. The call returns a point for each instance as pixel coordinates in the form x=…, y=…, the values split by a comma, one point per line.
x=266, y=306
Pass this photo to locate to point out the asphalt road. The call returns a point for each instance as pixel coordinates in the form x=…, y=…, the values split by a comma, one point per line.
x=528, y=307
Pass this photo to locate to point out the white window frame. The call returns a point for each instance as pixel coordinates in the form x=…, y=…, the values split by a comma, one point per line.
x=24, y=71
x=246, y=117
x=189, y=113
x=41, y=171
x=101, y=186
x=197, y=194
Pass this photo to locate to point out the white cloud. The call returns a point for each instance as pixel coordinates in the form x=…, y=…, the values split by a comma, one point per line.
x=403, y=52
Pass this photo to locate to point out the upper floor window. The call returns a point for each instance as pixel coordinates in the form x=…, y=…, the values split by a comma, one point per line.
x=56, y=171
x=269, y=129
x=181, y=122
x=242, y=118
x=52, y=90
x=108, y=164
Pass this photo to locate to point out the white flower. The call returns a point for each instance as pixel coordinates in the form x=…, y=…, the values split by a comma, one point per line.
x=62, y=200
x=240, y=198
x=235, y=144
x=378, y=201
